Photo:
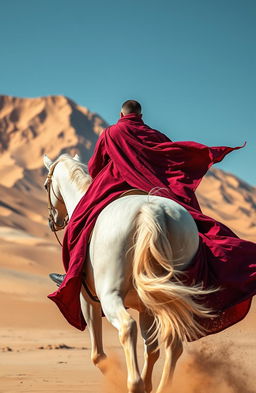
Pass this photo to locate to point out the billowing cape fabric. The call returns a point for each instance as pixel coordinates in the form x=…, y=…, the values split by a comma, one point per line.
x=132, y=155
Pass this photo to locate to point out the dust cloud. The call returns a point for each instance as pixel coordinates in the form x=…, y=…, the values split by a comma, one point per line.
x=213, y=370
x=208, y=369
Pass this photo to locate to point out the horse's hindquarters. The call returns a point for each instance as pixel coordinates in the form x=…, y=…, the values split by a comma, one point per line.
x=113, y=238
x=182, y=234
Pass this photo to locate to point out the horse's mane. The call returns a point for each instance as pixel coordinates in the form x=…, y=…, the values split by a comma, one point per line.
x=78, y=171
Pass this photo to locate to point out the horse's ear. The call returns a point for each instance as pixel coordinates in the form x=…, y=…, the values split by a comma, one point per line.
x=76, y=157
x=47, y=162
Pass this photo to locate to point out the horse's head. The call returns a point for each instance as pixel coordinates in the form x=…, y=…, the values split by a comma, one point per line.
x=58, y=215
x=66, y=183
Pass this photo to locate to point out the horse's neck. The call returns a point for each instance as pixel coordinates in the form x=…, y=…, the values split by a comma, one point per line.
x=71, y=197
x=70, y=193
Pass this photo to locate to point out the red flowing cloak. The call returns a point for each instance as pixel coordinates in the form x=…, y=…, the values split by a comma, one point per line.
x=129, y=155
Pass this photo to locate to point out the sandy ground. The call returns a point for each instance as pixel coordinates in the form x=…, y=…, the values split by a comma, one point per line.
x=39, y=352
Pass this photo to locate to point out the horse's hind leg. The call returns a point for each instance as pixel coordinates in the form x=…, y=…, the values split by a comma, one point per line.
x=93, y=318
x=172, y=353
x=115, y=312
x=151, y=352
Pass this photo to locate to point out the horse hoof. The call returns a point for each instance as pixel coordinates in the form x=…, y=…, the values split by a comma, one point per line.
x=136, y=387
x=101, y=362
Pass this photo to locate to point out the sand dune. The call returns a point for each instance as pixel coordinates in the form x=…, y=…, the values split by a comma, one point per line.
x=39, y=351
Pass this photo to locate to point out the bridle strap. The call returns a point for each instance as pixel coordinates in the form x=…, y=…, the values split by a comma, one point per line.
x=54, y=193
x=57, y=237
x=53, y=225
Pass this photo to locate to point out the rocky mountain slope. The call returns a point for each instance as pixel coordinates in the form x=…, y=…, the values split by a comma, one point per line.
x=30, y=127
x=230, y=200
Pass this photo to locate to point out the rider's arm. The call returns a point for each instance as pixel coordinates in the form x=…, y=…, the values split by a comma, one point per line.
x=99, y=158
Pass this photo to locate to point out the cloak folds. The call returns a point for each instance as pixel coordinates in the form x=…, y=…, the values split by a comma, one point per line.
x=129, y=155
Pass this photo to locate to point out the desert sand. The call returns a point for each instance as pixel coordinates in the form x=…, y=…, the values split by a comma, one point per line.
x=39, y=351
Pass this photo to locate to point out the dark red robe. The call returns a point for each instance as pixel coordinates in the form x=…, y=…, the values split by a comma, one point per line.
x=132, y=155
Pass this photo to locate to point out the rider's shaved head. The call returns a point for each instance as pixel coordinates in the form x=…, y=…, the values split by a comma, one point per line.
x=131, y=106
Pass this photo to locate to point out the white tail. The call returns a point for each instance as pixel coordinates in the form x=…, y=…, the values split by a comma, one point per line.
x=157, y=282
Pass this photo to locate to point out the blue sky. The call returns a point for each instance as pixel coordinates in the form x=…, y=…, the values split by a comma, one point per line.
x=190, y=63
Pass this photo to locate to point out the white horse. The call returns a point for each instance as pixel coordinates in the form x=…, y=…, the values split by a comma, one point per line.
x=139, y=249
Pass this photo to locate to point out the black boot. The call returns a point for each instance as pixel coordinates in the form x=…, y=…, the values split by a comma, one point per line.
x=57, y=278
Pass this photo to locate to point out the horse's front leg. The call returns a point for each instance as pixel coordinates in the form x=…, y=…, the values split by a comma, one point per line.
x=172, y=353
x=151, y=351
x=93, y=318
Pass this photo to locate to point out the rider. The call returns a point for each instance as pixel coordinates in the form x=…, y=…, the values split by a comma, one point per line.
x=131, y=155
x=132, y=108
x=128, y=107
